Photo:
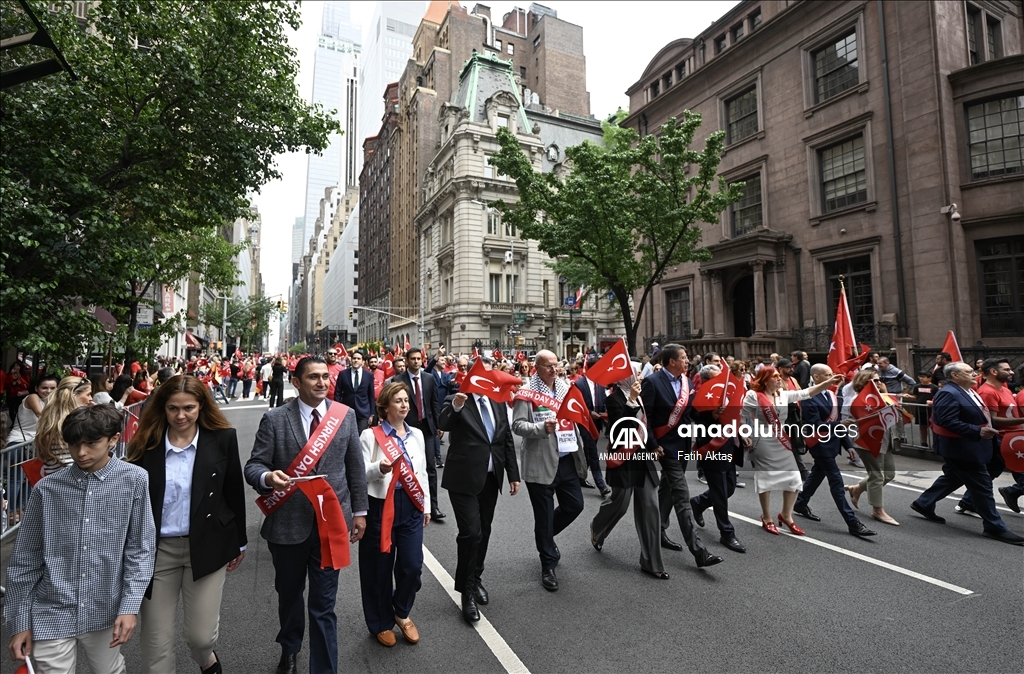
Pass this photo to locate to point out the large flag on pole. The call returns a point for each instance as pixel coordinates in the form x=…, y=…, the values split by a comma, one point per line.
x=952, y=348
x=614, y=366
x=574, y=409
x=844, y=344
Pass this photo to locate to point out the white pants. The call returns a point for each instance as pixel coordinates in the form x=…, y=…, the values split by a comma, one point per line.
x=60, y=656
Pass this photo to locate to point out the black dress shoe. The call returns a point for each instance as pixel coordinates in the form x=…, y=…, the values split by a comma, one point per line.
x=660, y=575
x=469, y=610
x=439, y=464
x=805, y=511
x=215, y=667
x=287, y=664
x=548, y=580
x=480, y=594
x=593, y=539
x=860, y=530
x=733, y=544
x=586, y=485
x=927, y=514
x=698, y=517
x=1009, y=499
x=1005, y=537
x=437, y=515
x=705, y=558
x=669, y=544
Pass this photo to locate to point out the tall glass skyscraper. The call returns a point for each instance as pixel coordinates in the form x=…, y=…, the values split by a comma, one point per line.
x=335, y=87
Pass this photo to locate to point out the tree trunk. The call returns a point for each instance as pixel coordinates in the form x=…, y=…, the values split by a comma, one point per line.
x=133, y=324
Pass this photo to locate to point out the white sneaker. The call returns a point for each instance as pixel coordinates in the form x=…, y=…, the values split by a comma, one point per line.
x=741, y=485
x=966, y=511
x=855, y=461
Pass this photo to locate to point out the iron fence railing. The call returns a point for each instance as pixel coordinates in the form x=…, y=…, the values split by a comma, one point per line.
x=15, y=484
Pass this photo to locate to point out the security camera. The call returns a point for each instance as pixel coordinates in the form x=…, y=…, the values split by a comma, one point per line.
x=954, y=216
x=951, y=212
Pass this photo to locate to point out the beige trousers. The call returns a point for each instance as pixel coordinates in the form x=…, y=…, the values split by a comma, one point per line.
x=172, y=576
x=881, y=472
x=59, y=656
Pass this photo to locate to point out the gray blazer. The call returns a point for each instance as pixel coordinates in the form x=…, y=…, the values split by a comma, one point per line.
x=539, y=462
x=278, y=441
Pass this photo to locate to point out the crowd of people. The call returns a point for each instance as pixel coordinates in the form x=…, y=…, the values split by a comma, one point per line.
x=361, y=441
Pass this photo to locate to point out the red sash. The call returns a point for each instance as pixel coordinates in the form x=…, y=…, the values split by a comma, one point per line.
x=410, y=483
x=946, y=433
x=334, y=552
x=538, y=399
x=833, y=415
x=677, y=411
x=772, y=417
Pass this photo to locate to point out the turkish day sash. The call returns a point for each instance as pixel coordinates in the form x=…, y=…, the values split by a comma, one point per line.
x=677, y=411
x=946, y=433
x=410, y=484
x=812, y=440
x=334, y=552
x=566, y=431
x=772, y=417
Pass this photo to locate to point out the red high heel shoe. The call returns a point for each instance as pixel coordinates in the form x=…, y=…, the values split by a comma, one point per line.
x=792, y=526
x=769, y=526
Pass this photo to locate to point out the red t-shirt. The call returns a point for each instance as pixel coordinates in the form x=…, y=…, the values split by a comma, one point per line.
x=1000, y=403
x=136, y=397
x=333, y=371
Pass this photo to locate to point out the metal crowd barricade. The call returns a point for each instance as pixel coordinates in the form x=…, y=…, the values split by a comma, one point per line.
x=912, y=429
x=15, y=484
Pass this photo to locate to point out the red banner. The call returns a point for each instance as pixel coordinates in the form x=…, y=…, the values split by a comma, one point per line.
x=772, y=417
x=677, y=410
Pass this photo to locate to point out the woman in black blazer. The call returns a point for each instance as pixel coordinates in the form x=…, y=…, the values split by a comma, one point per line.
x=196, y=488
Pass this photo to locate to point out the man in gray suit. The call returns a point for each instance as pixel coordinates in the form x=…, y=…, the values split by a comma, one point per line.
x=292, y=530
x=548, y=466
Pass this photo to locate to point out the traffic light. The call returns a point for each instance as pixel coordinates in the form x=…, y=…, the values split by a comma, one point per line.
x=278, y=305
x=350, y=313
x=284, y=307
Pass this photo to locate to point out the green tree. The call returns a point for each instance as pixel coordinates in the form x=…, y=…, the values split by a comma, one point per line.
x=626, y=212
x=120, y=178
x=297, y=349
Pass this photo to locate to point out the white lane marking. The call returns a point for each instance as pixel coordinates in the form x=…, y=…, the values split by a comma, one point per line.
x=921, y=491
x=506, y=656
x=864, y=558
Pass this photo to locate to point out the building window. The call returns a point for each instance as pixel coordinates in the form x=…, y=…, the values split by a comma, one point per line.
x=973, y=37
x=856, y=274
x=447, y=230
x=835, y=67
x=511, y=286
x=522, y=72
x=495, y=288
x=992, y=38
x=680, y=71
x=494, y=222
x=746, y=212
x=502, y=121
x=720, y=44
x=678, y=304
x=655, y=89
x=488, y=169
x=996, y=132
x=511, y=49
x=737, y=33
x=547, y=293
x=755, y=19
x=536, y=42
x=1001, y=282
x=447, y=287
x=497, y=43
x=742, y=112
x=843, y=174
x=666, y=80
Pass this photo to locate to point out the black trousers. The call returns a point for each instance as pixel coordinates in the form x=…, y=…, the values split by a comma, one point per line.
x=549, y=521
x=473, y=514
x=593, y=459
x=292, y=565
x=674, y=493
x=827, y=468
x=389, y=581
x=721, y=485
x=428, y=444
x=975, y=477
x=276, y=393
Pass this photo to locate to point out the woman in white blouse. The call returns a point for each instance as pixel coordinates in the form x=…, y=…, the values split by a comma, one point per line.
x=775, y=468
x=391, y=556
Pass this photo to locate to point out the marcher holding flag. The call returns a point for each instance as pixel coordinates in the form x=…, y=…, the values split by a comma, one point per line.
x=391, y=554
x=875, y=420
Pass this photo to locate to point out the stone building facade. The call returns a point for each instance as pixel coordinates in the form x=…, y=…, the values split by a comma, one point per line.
x=855, y=127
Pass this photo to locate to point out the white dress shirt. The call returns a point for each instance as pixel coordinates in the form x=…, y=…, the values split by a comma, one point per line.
x=178, y=462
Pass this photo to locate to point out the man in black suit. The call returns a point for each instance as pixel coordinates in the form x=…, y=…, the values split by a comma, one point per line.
x=355, y=389
x=481, y=449
x=594, y=395
x=423, y=410
x=667, y=396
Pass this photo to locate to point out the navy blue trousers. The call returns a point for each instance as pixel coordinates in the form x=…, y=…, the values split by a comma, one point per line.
x=292, y=564
x=593, y=459
x=549, y=521
x=389, y=581
x=827, y=468
x=975, y=477
x=721, y=485
x=1016, y=490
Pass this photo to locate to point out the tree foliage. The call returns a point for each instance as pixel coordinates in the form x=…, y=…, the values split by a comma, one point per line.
x=626, y=212
x=248, y=320
x=123, y=177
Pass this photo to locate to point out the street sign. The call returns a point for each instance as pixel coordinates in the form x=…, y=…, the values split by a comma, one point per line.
x=520, y=318
x=570, y=301
x=611, y=296
x=514, y=331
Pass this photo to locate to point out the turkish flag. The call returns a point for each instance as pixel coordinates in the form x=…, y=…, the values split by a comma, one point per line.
x=476, y=352
x=238, y=354
x=574, y=409
x=494, y=384
x=952, y=348
x=711, y=393
x=1012, y=449
x=496, y=354
x=459, y=378
x=407, y=344
x=520, y=356
x=387, y=366
x=339, y=349
x=614, y=366
x=844, y=344
x=852, y=366
x=33, y=471
x=873, y=417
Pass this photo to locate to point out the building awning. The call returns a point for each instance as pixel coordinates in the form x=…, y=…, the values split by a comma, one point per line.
x=191, y=342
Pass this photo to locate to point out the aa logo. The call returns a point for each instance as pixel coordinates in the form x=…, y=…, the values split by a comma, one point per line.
x=627, y=435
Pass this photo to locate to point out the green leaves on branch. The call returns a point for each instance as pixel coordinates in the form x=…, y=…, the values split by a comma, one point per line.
x=626, y=212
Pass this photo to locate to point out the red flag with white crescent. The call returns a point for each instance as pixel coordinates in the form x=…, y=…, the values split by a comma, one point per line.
x=952, y=348
x=339, y=349
x=494, y=384
x=613, y=366
x=496, y=354
x=873, y=417
x=574, y=409
x=844, y=343
x=1012, y=449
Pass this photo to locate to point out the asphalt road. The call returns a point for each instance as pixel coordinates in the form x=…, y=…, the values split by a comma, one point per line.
x=920, y=597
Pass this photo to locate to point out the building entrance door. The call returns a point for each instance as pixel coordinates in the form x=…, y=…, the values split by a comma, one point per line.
x=743, y=307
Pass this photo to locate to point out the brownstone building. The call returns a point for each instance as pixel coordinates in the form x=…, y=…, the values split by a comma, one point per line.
x=855, y=126
x=546, y=54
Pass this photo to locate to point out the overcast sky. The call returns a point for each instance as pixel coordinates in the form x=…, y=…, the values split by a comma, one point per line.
x=619, y=40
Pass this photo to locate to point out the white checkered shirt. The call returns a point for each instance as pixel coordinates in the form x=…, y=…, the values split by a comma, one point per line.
x=84, y=553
